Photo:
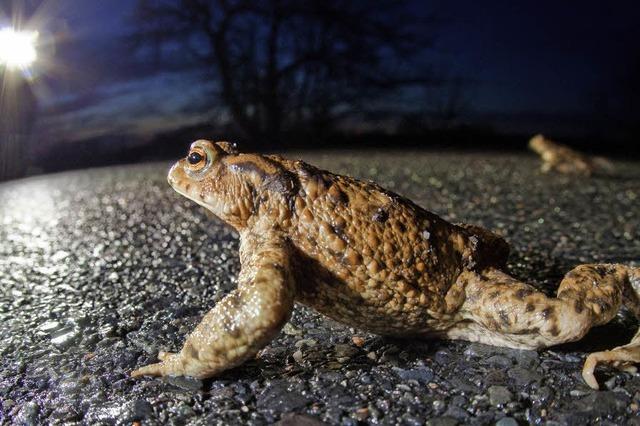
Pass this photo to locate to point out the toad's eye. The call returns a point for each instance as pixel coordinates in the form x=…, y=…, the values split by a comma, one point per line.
x=199, y=161
x=194, y=158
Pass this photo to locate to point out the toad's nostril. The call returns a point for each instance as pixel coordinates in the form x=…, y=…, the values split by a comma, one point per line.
x=171, y=176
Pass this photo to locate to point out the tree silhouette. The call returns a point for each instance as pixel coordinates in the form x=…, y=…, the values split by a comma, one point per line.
x=294, y=66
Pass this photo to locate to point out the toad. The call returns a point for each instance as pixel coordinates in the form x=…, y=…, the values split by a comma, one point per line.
x=562, y=159
x=369, y=258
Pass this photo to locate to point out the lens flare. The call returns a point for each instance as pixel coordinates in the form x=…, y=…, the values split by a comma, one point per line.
x=17, y=48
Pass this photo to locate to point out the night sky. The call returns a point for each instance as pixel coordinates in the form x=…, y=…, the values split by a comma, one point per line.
x=528, y=67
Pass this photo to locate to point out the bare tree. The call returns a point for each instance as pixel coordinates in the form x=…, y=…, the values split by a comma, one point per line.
x=449, y=104
x=287, y=65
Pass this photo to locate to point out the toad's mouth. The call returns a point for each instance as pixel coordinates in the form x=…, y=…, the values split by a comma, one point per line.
x=191, y=190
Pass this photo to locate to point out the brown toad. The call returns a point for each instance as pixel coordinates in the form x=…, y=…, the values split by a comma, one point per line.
x=374, y=260
x=562, y=159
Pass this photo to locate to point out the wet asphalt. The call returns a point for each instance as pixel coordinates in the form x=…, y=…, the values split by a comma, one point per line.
x=100, y=269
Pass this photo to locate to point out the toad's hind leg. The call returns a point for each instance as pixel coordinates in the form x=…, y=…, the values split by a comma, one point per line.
x=244, y=321
x=500, y=310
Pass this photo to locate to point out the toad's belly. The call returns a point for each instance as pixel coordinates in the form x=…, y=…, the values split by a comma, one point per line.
x=374, y=307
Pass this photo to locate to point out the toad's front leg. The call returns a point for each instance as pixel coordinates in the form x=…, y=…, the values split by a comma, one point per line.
x=245, y=320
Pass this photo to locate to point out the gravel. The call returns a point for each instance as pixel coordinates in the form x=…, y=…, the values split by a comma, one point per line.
x=100, y=269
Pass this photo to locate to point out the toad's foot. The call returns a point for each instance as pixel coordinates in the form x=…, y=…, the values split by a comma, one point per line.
x=621, y=357
x=167, y=366
x=244, y=321
x=170, y=365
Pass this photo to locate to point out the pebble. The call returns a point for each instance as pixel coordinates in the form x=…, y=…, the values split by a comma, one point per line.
x=291, y=330
x=28, y=414
x=345, y=352
x=294, y=419
x=442, y=421
x=604, y=402
x=358, y=341
x=305, y=343
x=611, y=383
x=457, y=413
x=498, y=361
x=523, y=376
x=49, y=326
x=528, y=359
x=277, y=397
x=183, y=382
x=580, y=392
x=499, y=395
x=65, y=338
x=543, y=395
x=507, y=421
x=421, y=375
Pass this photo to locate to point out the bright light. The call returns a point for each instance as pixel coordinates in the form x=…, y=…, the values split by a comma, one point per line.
x=17, y=48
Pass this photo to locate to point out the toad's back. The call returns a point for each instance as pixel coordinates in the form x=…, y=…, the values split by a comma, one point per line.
x=371, y=258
